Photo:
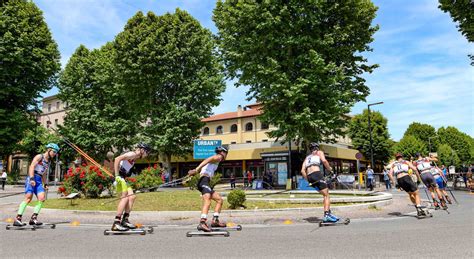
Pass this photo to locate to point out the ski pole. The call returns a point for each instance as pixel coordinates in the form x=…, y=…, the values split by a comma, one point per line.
x=447, y=187
x=85, y=155
x=146, y=189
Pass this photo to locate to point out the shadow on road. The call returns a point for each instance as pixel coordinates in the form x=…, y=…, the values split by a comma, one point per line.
x=313, y=220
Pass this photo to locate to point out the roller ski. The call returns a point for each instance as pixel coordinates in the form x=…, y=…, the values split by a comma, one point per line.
x=204, y=230
x=236, y=228
x=148, y=228
x=332, y=220
x=19, y=225
x=423, y=212
x=119, y=229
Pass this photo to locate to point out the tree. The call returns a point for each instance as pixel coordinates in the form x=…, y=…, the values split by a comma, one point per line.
x=359, y=133
x=36, y=139
x=97, y=119
x=409, y=146
x=168, y=67
x=461, y=12
x=460, y=142
x=301, y=59
x=425, y=133
x=29, y=62
x=447, y=156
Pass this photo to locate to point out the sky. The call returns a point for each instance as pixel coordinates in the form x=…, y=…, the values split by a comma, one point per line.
x=424, y=72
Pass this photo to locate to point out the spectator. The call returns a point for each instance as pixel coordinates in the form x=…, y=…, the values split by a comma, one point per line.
x=167, y=175
x=249, y=178
x=386, y=178
x=232, y=180
x=370, y=178
x=3, y=179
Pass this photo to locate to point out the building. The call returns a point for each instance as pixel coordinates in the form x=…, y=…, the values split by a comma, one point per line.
x=53, y=112
x=252, y=149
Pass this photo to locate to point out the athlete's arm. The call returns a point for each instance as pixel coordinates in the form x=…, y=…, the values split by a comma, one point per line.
x=303, y=170
x=390, y=175
x=127, y=156
x=212, y=159
x=323, y=159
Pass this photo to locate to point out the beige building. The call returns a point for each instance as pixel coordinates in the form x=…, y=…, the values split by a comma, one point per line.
x=52, y=112
x=250, y=148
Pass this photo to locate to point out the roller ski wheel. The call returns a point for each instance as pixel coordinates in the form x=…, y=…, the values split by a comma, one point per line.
x=126, y=232
x=208, y=234
x=7, y=227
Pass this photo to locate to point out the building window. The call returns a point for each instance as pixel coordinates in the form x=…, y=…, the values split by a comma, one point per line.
x=57, y=105
x=264, y=140
x=55, y=122
x=219, y=130
x=248, y=141
x=49, y=107
x=205, y=131
x=233, y=128
x=249, y=126
x=48, y=123
x=233, y=142
x=264, y=126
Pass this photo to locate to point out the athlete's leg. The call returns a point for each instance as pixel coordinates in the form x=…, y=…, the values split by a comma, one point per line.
x=215, y=219
x=206, y=204
x=131, y=200
x=39, y=204
x=326, y=200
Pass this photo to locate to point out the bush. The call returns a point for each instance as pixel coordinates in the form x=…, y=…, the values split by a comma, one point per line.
x=236, y=199
x=149, y=177
x=192, y=183
x=90, y=181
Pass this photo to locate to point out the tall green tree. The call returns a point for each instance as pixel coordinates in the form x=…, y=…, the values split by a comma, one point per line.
x=29, y=62
x=359, y=133
x=301, y=59
x=460, y=142
x=410, y=145
x=425, y=133
x=168, y=67
x=36, y=139
x=447, y=156
x=97, y=120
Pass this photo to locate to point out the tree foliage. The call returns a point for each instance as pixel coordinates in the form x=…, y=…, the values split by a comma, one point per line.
x=410, y=145
x=301, y=59
x=460, y=142
x=168, y=68
x=447, y=156
x=359, y=133
x=461, y=12
x=36, y=139
x=29, y=62
x=425, y=133
x=97, y=119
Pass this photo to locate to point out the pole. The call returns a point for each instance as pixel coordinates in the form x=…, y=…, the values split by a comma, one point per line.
x=290, y=175
x=371, y=142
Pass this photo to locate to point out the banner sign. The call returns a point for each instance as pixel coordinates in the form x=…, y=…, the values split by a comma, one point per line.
x=205, y=148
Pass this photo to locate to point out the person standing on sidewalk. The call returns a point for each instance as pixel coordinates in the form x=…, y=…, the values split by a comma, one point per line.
x=312, y=173
x=3, y=178
x=386, y=179
x=232, y=180
x=400, y=169
x=34, y=184
x=206, y=169
x=122, y=166
x=370, y=178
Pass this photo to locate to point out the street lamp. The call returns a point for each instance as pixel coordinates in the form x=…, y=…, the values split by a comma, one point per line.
x=370, y=134
x=429, y=141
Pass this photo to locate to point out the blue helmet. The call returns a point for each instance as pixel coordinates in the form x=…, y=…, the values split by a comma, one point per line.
x=221, y=149
x=53, y=146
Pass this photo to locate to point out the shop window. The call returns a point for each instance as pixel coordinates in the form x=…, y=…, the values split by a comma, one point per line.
x=219, y=130
x=264, y=126
x=233, y=128
x=205, y=131
x=249, y=126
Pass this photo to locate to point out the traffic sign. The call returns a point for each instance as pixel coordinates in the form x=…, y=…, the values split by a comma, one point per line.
x=358, y=156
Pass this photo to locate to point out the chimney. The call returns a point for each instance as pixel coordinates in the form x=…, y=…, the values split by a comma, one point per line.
x=239, y=111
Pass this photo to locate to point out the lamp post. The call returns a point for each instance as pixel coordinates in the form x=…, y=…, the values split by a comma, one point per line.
x=429, y=141
x=370, y=134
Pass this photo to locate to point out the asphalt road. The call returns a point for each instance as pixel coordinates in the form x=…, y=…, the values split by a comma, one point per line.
x=399, y=236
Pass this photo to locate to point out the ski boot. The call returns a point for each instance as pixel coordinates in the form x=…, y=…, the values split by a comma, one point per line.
x=215, y=223
x=18, y=222
x=125, y=223
x=436, y=205
x=443, y=204
x=34, y=221
x=448, y=200
x=331, y=218
x=203, y=226
x=118, y=227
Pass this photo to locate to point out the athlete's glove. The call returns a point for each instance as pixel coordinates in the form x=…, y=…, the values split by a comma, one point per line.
x=118, y=179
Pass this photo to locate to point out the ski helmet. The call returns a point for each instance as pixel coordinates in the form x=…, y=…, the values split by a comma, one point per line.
x=53, y=146
x=221, y=149
x=313, y=146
